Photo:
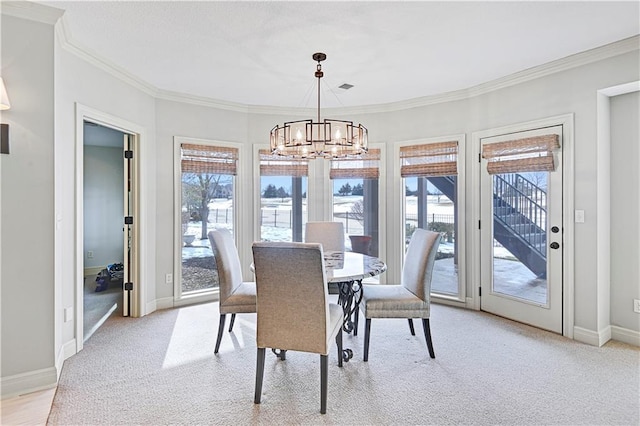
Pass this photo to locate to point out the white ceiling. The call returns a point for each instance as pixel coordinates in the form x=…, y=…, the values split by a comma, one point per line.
x=259, y=53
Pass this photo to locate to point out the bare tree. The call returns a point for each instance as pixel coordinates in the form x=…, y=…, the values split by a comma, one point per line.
x=200, y=189
x=357, y=211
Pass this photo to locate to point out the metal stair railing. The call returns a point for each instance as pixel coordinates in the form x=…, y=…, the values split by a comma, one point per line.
x=521, y=206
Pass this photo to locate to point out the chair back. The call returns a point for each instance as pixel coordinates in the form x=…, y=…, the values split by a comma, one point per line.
x=292, y=296
x=329, y=234
x=419, y=262
x=227, y=262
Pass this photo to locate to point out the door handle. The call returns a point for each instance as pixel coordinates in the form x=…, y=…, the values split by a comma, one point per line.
x=554, y=245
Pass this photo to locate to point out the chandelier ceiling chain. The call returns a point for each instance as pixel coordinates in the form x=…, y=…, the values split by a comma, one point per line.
x=321, y=139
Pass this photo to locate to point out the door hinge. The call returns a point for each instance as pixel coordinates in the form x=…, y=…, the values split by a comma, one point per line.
x=480, y=291
x=128, y=220
x=128, y=154
x=479, y=225
x=479, y=158
x=128, y=286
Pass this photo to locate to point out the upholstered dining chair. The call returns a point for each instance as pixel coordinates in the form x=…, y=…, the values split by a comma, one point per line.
x=236, y=295
x=409, y=299
x=329, y=234
x=293, y=307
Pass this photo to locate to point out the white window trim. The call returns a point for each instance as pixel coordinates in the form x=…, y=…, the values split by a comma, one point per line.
x=238, y=186
x=396, y=244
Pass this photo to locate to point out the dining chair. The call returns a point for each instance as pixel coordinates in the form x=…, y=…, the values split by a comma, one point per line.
x=293, y=307
x=236, y=295
x=329, y=234
x=409, y=299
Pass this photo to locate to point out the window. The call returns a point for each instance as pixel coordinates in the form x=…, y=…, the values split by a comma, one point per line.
x=283, y=197
x=207, y=176
x=355, y=200
x=432, y=201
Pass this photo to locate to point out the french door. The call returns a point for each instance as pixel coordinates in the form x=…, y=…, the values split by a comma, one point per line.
x=521, y=231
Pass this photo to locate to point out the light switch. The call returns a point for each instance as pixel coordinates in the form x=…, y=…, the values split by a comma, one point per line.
x=579, y=216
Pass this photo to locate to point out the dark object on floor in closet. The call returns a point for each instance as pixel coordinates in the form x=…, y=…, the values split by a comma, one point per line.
x=113, y=272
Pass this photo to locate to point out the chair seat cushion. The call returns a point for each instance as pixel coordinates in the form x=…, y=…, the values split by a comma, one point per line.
x=391, y=301
x=242, y=300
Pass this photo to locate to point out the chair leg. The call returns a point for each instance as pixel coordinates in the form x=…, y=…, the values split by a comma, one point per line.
x=413, y=330
x=233, y=320
x=339, y=344
x=324, y=376
x=223, y=317
x=259, y=375
x=427, y=336
x=367, y=332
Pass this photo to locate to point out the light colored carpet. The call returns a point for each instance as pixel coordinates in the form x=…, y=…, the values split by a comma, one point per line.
x=161, y=369
x=98, y=306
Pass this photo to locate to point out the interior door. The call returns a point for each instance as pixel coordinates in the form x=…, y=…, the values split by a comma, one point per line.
x=522, y=239
x=129, y=271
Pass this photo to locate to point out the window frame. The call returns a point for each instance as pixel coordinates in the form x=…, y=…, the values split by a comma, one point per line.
x=212, y=294
x=462, y=226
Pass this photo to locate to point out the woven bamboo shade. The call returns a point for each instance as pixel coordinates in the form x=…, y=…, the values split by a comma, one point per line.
x=521, y=155
x=208, y=159
x=433, y=159
x=364, y=166
x=277, y=165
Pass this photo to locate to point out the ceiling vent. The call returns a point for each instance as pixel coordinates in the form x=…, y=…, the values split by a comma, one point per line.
x=346, y=86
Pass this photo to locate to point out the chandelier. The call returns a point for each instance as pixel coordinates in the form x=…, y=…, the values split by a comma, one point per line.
x=321, y=139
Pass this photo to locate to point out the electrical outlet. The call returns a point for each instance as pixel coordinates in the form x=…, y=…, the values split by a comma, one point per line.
x=636, y=305
x=90, y=254
x=168, y=278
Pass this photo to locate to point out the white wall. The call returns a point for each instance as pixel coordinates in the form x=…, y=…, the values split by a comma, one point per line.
x=199, y=122
x=81, y=85
x=103, y=205
x=27, y=179
x=625, y=210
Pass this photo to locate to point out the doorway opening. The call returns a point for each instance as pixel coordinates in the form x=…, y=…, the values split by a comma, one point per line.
x=107, y=222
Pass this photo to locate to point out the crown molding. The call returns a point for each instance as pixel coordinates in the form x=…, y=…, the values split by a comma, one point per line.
x=573, y=61
x=31, y=11
x=69, y=44
x=583, y=58
x=202, y=101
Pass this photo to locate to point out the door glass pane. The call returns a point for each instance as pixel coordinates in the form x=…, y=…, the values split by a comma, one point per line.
x=520, y=235
x=430, y=204
x=283, y=207
x=207, y=203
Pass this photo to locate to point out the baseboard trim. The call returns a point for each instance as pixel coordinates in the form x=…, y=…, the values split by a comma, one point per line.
x=163, y=303
x=448, y=302
x=625, y=335
x=590, y=337
x=66, y=351
x=31, y=381
x=94, y=270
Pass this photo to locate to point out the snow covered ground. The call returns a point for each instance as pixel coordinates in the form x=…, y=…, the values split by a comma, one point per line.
x=221, y=214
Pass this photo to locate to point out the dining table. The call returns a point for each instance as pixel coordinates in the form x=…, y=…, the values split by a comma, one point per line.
x=347, y=270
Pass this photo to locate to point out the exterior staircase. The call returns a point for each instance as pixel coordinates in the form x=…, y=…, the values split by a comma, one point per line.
x=519, y=217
